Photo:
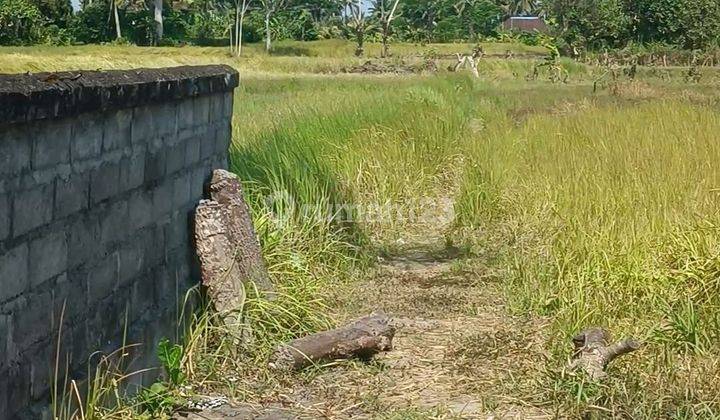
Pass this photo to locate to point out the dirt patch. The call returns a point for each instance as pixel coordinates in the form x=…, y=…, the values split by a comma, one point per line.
x=457, y=353
x=402, y=67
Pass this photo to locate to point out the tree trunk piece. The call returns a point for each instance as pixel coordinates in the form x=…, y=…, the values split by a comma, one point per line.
x=593, y=351
x=228, y=248
x=362, y=338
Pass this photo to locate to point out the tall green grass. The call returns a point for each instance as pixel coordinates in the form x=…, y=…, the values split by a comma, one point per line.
x=609, y=216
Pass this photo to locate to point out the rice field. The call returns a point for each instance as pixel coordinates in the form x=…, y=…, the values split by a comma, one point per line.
x=589, y=206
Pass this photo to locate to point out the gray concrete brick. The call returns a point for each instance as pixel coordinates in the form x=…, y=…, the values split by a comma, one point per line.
x=18, y=395
x=5, y=393
x=113, y=223
x=132, y=263
x=32, y=209
x=103, y=278
x=217, y=107
x=155, y=164
x=207, y=144
x=5, y=331
x=15, y=147
x=14, y=272
x=200, y=176
x=83, y=241
x=69, y=289
x=71, y=194
x=181, y=191
x=51, y=146
x=153, y=240
x=118, y=130
x=223, y=138
x=78, y=344
x=141, y=210
x=201, y=110
x=192, y=151
x=175, y=158
x=228, y=105
x=177, y=232
x=154, y=121
x=185, y=111
x=162, y=199
x=48, y=257
x=87, y=138
x=142, y=298
x=132, y=172
x=221, y=107
x=4, y=216
x=33, y=322
x=104, y=182
x=141, y=129
x=41, y=362
x=166, y=119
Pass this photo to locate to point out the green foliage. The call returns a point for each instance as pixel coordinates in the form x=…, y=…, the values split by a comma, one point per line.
x=157, y=401
x=598, y=24
x=448, y=20
x=581, y=25
x=91, y=24
x=687, y=23
x=139, y=27
x=297, y=25
x=21, y=23
x=208, y=25
x=170, y=355
x=57, y=12
x=591, y=24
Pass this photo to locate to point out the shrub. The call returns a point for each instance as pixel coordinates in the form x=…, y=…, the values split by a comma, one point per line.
x=91, y=25
x=21, y=23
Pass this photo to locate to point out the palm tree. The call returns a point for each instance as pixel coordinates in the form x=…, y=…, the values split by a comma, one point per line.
x=385, y=14
x=519, y=7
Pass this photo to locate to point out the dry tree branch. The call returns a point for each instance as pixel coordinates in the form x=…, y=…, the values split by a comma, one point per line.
x=593, y=351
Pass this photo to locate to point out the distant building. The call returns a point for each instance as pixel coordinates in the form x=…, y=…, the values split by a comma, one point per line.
x=525, y=24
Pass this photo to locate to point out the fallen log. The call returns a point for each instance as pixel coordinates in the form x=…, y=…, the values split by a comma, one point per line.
x=594, y=351
x=362, y=338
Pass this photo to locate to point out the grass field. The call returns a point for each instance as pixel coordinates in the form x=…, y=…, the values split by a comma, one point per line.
x=578, y=208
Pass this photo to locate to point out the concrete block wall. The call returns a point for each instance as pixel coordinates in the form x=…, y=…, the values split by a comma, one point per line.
x=99, y=175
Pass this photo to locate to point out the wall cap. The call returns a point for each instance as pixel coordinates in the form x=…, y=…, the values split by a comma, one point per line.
x=38, y=96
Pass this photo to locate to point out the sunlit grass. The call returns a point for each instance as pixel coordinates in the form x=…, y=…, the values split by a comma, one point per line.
x=609, y=217
x=597, y=208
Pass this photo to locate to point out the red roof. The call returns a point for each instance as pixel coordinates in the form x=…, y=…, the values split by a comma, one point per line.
x=525, y=24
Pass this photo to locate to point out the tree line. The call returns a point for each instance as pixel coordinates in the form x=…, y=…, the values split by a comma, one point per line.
x=576, y=25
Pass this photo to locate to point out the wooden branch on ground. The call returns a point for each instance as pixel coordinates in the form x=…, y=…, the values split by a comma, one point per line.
x=362, y=338
x=594, y=352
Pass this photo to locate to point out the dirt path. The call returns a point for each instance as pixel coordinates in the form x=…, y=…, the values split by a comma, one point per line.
x=457, y=353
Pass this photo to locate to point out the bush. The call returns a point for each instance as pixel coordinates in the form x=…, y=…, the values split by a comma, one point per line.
x=21, y=23
x=140, y=28
x=55, y=35
x=210, y=25
x=91, y=25
x=594, y=24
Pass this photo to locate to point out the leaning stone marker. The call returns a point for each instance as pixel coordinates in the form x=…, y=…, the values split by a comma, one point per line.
x=227, y=246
